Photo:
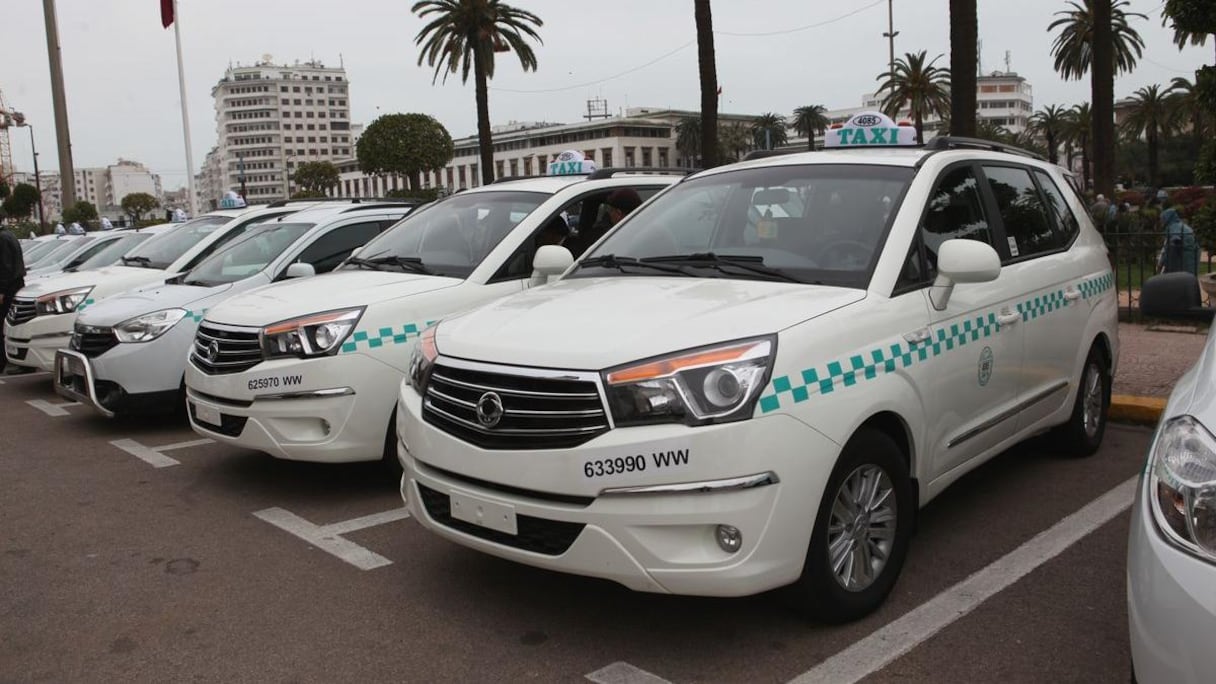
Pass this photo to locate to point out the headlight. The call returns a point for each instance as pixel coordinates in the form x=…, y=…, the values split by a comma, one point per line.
x=149, y=326
x=1183, y=485
x=709, y=385
x=425, y=353
x=64, y=301
x=315, y=335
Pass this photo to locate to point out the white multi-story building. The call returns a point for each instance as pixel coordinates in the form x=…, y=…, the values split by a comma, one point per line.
x=270, y=118
x=642, y=136
x=126, y=178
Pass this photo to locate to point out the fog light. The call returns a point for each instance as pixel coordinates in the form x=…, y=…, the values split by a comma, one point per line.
x=730, y=539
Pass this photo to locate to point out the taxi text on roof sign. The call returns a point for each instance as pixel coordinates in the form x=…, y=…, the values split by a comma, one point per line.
x=869, y=129
x=571, y=163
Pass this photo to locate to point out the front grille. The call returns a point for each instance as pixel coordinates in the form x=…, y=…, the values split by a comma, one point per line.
x=226, y=350
x=232, y=425
x=538, y=535
x=538, y=412
x=22, y=311
x=93, y=342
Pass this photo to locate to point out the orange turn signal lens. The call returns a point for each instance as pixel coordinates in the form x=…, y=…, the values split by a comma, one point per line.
x=293, y=324
x=672, y=365
x=427, y=345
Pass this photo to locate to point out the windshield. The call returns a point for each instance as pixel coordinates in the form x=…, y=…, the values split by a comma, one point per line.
x=247, y=255
x=40, y=250
x=449, y=237
x=61, y=251
x=110, y=252
x=822, y=224
x=168, y=246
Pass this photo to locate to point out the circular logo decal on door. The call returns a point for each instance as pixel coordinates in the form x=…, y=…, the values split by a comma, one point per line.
x=985, y=366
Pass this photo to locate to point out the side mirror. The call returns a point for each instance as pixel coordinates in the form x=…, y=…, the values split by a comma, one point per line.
x=300, y=270
x=962, y=261
x=550, y=260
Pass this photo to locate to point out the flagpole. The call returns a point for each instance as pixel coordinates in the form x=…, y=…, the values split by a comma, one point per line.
x=181, y=82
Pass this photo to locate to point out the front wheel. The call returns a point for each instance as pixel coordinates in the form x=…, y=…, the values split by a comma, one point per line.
x=1082, y=434
x=861, y=534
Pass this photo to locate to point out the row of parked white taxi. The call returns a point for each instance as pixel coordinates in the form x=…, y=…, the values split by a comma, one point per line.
x=753, y=381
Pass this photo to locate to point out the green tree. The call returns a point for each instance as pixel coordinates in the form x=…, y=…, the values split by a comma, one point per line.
x=1098, y=35
x=82, y=212
x=316, y=177
x=1078, y=131
x=463, y=36
x=688, y=139
x=1050, y=123
x=808, y=121
x=734, y=139
x=1192, y=20
x=707, y=69
x=4, y=190
x=1149, y=115
x=21, y=201
x=405, y=144
x=964, y=54
x=920, y=86
x=1186, y=109
x=137, y=204
x=769, y=131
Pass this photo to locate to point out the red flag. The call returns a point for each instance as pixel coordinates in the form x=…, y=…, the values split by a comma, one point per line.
x=166, y=13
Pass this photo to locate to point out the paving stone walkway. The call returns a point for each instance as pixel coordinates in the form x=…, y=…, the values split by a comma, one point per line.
x=1152, y=358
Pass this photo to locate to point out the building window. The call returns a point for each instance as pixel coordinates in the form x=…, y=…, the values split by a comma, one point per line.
x=646, y=156
x=295, y=89
x=514, y=169
x=663, y=157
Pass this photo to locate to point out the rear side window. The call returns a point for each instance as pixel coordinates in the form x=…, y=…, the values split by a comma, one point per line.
x=1028, y=229
x=1066, y=221
x=332, y=248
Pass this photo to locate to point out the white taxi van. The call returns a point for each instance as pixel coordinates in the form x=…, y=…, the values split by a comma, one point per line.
x=757, y=378
x=309, y=370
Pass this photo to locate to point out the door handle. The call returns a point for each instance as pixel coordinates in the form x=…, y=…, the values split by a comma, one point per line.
x=918, y=336
x=1008, y=317
x=1072, y=294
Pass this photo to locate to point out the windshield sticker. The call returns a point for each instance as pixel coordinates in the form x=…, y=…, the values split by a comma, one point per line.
x=868, y=364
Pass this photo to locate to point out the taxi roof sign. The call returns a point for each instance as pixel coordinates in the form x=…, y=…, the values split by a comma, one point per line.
x=871, y=129
x=571, y=163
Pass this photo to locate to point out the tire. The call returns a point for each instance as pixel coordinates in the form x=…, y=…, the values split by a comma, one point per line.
x=1082, y=434
x=388, y=459
x=823, y=594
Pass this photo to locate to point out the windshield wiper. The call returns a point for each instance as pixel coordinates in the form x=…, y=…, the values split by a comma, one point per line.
x=412, y=264
x=141, y=260
x=720, y=262
x=621, y=262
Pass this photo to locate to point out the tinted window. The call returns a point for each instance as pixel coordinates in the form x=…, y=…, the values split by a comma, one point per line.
x=955, y=211
x=1066, y=221
x=331, y=248
x=1028, y=229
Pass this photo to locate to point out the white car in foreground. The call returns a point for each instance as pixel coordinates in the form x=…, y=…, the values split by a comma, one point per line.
x=722, y=399
x=128, y=353
x=1171, y=550
x=310, y=369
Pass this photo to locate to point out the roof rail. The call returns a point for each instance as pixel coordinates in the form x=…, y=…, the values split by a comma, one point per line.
x=353, y=200
x=388, y=204
x=953, y=142
x=612, y=171
x=763, y=154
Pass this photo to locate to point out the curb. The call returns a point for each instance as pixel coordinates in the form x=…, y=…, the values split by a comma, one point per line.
x=1126, y=408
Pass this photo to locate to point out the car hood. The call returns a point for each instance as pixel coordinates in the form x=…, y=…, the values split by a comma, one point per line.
x=111, y=279
x=1195, y=395
x=153, y=298
x=326, y=292
x=595, y=323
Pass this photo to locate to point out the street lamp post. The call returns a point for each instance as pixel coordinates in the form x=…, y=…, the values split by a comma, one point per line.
x=287, y=176
x=20, y=122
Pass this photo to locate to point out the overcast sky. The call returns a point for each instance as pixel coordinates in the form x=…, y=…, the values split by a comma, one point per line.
x=122, y=86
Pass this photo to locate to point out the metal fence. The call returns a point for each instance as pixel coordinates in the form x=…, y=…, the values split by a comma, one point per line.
x=1138, y=257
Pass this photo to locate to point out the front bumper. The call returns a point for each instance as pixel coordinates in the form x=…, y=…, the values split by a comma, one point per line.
x=763, y=476
x=336, y=409
x=33, y=344
x=1171, y=604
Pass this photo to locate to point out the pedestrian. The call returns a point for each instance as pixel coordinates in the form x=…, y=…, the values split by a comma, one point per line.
x=75, y=228
x=1181, y=250
x=1100, y=212
x=59, y=229
x=105, y=224
x=12, y=278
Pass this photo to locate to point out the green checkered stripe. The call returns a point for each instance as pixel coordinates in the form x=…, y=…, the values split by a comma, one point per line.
x=871, y=363
x=373, y=339
x=196, y=316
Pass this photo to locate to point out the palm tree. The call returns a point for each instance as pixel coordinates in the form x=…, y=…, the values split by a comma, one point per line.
x=1187, y=108
x=923, y=88
x=986, y=130
x=1097, y=34
x=963, y=58
x=810, y=120
x=464, y=35
x=688, y=139
x=769, y=131
x=1182, y=37
x=734, y=139
x=707, y=66
x=1150, y=115
x=1050, y=122
x=1078, y=131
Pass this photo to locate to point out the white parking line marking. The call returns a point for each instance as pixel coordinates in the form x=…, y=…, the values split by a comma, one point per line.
x=154, y=456
x=328, y=537
x=621, y=672
x=53, y=410
x=184, y=445
x=897, y=638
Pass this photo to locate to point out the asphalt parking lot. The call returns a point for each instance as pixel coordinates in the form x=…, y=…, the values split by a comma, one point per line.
x=134, y=550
